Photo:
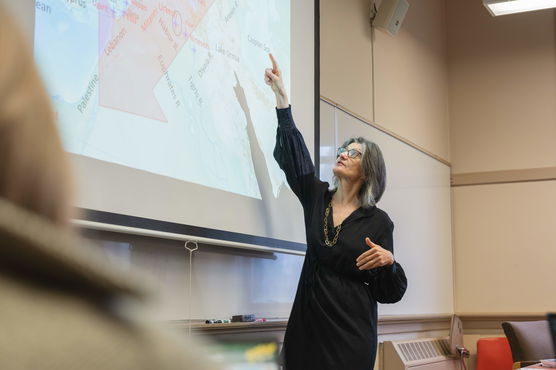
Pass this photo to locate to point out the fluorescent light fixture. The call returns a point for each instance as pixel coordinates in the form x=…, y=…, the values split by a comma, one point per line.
x=503, y=7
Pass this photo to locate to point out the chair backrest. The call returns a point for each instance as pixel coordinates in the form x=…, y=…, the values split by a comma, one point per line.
x=529, y=340
x=493, y=354
x=552, y=324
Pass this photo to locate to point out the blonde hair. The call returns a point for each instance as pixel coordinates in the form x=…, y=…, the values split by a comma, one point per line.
x=34, y=170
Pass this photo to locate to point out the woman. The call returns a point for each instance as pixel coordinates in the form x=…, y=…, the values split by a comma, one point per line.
x=62, y=306
x=349, y=265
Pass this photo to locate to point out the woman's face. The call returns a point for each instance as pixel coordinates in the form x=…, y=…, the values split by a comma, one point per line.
x=348, y=162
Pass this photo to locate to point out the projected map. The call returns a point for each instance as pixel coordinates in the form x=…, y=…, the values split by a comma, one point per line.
x=157, y=85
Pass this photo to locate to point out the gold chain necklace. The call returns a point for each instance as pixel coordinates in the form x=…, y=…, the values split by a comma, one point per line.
x=337, y=228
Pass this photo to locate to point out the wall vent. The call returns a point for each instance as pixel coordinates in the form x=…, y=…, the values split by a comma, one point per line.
x=418, y=354
x=423, y=349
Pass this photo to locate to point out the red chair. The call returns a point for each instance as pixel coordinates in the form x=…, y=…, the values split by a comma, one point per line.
x=494, y=354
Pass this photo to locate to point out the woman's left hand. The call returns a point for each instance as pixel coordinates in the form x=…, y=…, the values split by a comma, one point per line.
x=375, y=257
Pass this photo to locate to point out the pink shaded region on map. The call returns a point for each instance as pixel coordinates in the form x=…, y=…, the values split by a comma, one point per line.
x=137, y=47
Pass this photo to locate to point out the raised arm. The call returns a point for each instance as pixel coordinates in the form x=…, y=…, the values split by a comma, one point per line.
x=273, y=78
x=290, y=151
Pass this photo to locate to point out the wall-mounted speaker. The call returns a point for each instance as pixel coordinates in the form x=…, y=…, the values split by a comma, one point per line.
x=390, y=15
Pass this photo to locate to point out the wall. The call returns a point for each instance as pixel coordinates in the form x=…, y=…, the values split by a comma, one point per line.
x=398, y=82
x=503, y=138
x=502, y=89
x=503, y=117
x=411, y=78
x=346, y=55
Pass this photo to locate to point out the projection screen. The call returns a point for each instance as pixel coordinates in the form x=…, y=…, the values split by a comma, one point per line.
x=164, y=111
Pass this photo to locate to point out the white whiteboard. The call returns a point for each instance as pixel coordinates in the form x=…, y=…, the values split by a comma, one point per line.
x=417, y=199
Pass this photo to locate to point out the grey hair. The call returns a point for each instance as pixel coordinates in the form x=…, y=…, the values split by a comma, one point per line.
x=374, y=172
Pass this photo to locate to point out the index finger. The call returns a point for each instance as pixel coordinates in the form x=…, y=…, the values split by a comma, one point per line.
x=274, y=64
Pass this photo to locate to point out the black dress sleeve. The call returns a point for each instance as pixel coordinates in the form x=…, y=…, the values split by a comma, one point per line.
x=293, y=157
x=389, y=283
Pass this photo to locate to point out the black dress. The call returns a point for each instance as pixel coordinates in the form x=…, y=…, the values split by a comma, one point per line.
x=333, y=322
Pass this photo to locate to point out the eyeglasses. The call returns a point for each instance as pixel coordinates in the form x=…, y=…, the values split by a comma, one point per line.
x=352, y=153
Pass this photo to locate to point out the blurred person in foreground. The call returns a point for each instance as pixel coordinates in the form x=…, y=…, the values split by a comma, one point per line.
x=61, y=306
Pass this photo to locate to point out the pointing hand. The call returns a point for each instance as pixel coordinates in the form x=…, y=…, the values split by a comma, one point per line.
x=273, y=78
